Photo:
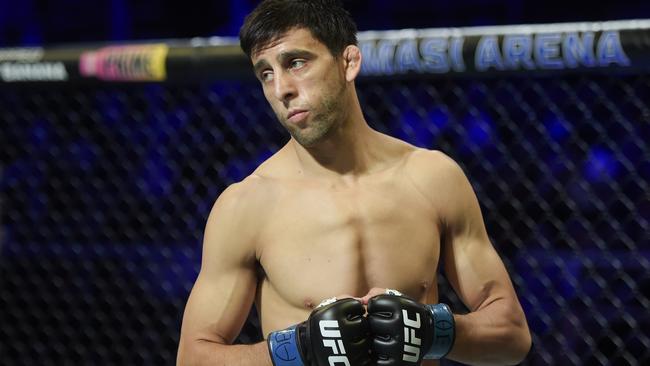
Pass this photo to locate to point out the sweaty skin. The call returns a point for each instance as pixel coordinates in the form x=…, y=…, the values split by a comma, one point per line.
x=345, y=211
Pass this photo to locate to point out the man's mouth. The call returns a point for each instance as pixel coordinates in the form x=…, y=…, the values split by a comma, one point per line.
x=297, y=115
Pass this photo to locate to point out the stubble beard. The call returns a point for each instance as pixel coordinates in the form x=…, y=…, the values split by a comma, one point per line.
x=324, y=120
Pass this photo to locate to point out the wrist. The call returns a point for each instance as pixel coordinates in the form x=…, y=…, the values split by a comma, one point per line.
x=444, y=331
x=284, y=347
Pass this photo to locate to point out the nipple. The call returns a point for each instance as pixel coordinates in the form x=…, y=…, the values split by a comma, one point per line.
x=424, y=285
x=309, y=304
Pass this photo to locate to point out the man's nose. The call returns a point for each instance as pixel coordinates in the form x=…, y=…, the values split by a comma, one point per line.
x=284, y=87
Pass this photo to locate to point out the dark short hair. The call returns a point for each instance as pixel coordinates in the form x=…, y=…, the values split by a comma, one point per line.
x=327, y=21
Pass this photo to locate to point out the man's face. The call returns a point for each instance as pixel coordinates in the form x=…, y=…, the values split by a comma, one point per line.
x=304, y=84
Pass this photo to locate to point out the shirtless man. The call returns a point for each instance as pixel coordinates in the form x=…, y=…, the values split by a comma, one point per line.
x=343, y=210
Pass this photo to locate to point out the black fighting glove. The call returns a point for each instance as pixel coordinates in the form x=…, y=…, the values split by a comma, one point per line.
x=405, y=331
x=335, y=334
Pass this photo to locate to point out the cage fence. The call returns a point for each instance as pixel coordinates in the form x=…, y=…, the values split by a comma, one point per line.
x=106, y=187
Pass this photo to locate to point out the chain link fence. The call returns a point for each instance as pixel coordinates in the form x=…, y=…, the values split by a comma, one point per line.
x=105, y=190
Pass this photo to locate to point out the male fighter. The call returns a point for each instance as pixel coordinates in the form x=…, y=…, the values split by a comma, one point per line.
x=343, y=210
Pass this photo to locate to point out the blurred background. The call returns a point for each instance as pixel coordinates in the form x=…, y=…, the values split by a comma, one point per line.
x=105, y=188
x=37, y=22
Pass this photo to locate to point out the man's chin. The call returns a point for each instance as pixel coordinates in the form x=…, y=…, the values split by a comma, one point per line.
x=310, y=136
x=306, y=143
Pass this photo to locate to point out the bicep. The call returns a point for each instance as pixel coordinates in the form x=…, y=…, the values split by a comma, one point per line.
x=224, y=291
x=475, y=271
x=218, y=305
x=472, y=265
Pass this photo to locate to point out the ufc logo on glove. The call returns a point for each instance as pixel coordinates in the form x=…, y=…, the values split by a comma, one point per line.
x=335, y=334
x=395, y=330
x=411, y=341
x=329, y=330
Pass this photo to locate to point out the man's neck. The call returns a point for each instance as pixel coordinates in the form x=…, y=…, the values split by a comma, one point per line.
x=350, y=150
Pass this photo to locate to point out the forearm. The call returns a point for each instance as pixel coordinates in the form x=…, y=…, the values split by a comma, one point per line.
x=496, y=334
x=207, y=353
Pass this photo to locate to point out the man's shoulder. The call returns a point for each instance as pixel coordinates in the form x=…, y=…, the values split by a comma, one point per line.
x=246, y=194
x=257, y=190
x=259, y=183
x=431, y=163
x=276, y=166
x=441, y=180
x=434, y=171
x=232, y=223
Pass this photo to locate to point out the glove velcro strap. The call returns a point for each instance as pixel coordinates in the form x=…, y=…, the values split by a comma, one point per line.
x=283, y=347
x=444, y=332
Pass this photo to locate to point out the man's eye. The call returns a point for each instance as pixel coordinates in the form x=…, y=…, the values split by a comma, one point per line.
x=296, y=64
x=266, y=76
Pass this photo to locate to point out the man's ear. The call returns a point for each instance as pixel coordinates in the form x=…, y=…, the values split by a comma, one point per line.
x=352, y=62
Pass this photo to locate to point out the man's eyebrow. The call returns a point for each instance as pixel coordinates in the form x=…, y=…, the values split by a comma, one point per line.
x=260, y=65
x=283, y=57
x=291, y=54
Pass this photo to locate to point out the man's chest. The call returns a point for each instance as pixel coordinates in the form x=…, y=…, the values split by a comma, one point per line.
x=323, y=242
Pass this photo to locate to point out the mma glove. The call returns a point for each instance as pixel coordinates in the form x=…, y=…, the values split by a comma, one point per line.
x=335, y=334
x=404, y=331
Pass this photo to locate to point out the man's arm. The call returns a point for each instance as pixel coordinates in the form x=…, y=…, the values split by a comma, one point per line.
x=225, y=288
x=495, y=331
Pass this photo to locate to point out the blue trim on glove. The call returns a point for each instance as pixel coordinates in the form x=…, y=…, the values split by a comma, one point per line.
x=283, y=348
x=444, y=332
